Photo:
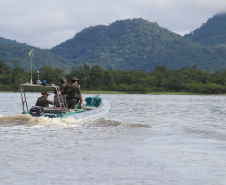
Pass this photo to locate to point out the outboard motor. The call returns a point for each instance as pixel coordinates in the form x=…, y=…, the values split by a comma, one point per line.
x=36, y=111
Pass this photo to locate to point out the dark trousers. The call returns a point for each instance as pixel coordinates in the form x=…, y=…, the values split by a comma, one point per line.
x=72, y=103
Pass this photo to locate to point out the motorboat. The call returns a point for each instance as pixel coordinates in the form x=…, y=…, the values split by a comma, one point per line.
x=93, y=107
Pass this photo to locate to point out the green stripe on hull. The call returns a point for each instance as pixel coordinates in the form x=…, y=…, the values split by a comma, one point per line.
x=56, y=115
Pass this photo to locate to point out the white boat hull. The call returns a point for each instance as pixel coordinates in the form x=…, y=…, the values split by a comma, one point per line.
x=98, y=112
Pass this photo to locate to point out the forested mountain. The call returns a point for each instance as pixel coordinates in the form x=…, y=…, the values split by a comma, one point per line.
x=132, y=44
x=212, y=33
x=11, y=51
x=138, y=45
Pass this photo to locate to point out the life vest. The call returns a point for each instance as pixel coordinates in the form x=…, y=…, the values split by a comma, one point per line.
x=72, y=91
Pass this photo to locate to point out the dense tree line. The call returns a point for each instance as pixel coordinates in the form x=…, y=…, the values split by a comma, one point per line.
x=161, y=79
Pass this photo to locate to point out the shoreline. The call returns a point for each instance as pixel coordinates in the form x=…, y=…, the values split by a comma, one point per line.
x=117, y=92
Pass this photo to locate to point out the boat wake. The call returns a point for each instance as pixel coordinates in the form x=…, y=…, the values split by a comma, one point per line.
x=103, y=122
x=28, y=120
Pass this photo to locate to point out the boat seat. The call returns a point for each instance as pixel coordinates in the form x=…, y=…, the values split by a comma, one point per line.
x=58, y=110
x=52, y=110
x=90, y=108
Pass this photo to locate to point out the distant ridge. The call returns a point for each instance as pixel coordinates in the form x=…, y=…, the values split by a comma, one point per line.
x=212, y=33
x=11, y=50
x=8, y=41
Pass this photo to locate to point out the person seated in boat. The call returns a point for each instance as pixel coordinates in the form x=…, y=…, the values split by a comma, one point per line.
x=63, y=84
x=73, y=94
x=43, y=100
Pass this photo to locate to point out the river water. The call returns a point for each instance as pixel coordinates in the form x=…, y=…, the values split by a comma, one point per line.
x=144, y=139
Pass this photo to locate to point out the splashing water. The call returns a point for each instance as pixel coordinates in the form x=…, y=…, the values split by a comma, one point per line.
x=19, y=119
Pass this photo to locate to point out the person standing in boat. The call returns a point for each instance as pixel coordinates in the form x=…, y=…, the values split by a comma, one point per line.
x=43, y=100
x=73, y=94
x=63, y=84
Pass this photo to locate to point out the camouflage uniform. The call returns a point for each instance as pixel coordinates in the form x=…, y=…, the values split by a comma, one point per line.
x=62, y=86
x=72, y=94
x=43, y=102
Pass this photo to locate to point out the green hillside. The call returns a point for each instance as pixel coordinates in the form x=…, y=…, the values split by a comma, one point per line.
x=138, y=45
x=10, y=51
x=212, y=33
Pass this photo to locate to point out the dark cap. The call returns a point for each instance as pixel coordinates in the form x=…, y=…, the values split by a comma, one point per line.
x=62, y=80
x=45, y=93
x=74, y=79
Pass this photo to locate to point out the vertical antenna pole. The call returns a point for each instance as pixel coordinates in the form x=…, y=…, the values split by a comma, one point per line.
x=38, y=75
x=31, y=54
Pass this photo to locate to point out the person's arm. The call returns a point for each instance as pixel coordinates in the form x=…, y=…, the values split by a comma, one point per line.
x=64, y=89
x=51, y=102
x=80, y=97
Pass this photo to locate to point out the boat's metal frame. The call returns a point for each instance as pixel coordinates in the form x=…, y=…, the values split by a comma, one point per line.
x=24, y=99
x=84, y=112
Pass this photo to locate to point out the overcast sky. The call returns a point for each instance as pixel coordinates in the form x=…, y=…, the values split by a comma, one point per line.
x=47, y=23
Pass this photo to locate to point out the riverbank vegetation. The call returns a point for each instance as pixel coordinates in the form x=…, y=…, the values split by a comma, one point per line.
x=94, y=78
